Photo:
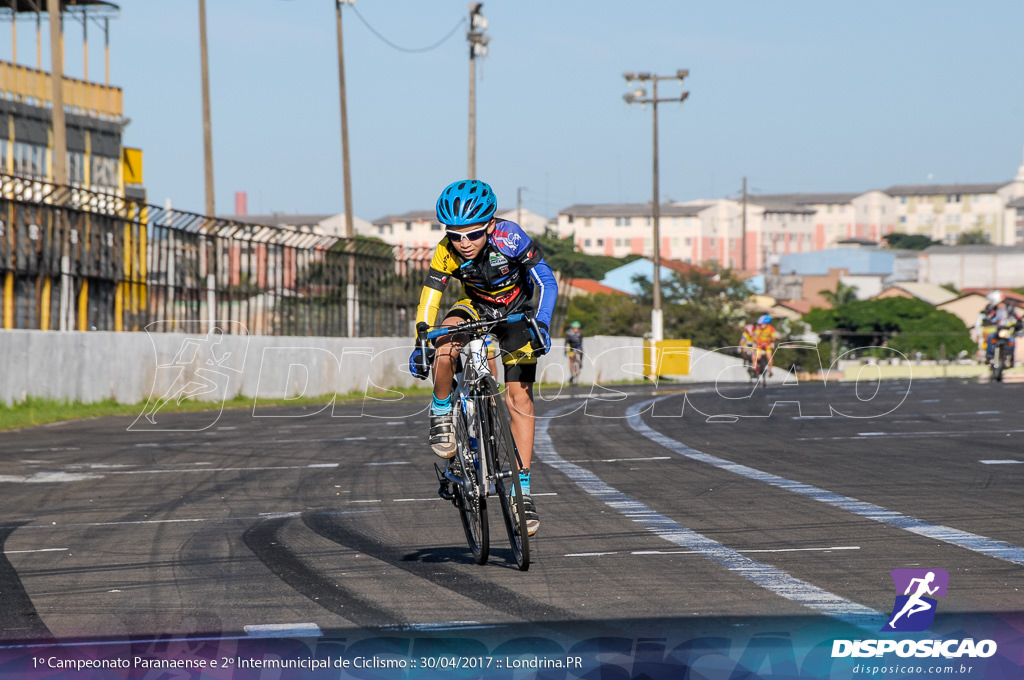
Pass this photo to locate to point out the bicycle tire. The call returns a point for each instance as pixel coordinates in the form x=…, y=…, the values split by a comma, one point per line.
x=472, y=510
x=505, y=463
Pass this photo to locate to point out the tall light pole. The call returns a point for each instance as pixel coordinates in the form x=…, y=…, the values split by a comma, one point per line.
x=743, y=227
x=477, y=48
x=639, y=96
x=60, y=146
x=60, y=154
x=346, y=171
x=207, y=132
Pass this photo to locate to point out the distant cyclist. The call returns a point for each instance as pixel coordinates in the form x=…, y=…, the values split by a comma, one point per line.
x=500, y=268
x=574, y=350
x=759, y=337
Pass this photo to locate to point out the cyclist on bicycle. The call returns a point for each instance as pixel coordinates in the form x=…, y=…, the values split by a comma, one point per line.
x=574, y=348
x=759, y=335
x=499, y=267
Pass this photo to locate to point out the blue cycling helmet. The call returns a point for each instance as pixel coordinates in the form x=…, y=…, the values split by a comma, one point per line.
x=764, y=318
x=466, y=202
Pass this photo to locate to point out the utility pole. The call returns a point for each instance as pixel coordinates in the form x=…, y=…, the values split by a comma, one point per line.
x=207, y=132
x=743, y=236
x=639, y=96
x=519, y=205
x=352, y=303
x=477, y=48
x=60, y=139
x=60, y=159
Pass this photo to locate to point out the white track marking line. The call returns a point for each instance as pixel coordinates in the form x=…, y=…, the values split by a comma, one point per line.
x=443, y=625
x=963, y=539
x=923, y=433
x=191, y=520
x=226, y=469
x=622, y=460
x=766, y=576
x=694, y=552
x=283, y=630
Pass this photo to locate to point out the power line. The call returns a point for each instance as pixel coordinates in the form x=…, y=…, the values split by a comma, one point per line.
x=408, y=49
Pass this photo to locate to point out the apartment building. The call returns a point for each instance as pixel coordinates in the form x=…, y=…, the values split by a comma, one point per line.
x=753, y=233
x=624, y=229
x=420, y=228
x=1015, y=217
x=746, y=235
x=944, y=211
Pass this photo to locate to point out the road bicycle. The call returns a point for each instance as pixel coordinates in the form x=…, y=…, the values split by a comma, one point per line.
x=757, y=363
x=575, y=363
x=486, y=463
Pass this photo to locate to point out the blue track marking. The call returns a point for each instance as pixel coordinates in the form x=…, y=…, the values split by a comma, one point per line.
x=963, y=539
x=766, y=576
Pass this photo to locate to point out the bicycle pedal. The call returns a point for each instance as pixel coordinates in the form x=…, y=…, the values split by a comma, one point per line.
x=444, y=490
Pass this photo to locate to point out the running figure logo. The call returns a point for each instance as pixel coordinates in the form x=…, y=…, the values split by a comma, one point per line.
x=915, y=605
x=202, y=368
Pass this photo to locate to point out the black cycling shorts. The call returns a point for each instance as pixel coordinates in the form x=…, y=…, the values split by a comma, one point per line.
x=513, y=342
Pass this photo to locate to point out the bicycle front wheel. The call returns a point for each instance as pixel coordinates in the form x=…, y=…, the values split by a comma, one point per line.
x=503, y=457
x=762, y=366
x=469, y=496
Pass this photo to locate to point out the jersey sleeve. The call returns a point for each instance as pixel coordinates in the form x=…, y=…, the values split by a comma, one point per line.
x=442, y=264
x=514, y=242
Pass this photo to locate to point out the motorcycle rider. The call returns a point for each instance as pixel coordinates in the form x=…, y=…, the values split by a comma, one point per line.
x=999, y=312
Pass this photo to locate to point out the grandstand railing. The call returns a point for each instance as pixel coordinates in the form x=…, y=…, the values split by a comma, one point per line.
x=73, y=259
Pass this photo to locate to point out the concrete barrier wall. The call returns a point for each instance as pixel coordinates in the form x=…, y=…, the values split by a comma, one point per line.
x=136, y=367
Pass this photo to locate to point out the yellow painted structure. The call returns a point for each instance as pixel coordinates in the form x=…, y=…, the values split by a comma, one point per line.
x=131, y=165
x=32, y=86
x=667, y=357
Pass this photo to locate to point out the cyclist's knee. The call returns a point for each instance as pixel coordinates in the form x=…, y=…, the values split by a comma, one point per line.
x=520, y=398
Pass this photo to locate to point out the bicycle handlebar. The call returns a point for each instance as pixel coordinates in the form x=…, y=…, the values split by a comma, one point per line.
x=424, y=334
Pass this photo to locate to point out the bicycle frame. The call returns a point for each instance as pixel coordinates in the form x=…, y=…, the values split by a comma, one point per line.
x=475, y=369
x=487, y=457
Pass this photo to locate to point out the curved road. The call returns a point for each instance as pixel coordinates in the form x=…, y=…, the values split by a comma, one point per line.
x=659, y=507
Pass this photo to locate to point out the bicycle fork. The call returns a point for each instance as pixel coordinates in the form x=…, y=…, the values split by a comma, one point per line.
x=468, y=483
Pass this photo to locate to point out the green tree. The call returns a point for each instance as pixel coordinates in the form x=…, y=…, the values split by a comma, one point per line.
x=910, y=241
x=562, y=256
x=610, y=314
x=977, y=237
x=844, y=294
x=708, y=310
x=907, y=325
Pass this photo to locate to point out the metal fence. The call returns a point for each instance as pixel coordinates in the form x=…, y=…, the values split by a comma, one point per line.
x=72, y=259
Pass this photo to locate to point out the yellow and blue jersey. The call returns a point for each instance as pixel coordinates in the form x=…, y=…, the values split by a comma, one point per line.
x=502, y=277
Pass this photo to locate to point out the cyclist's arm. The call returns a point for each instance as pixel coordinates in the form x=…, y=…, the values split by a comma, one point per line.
x=438, y=276
x=529, y=254
x=544, y=279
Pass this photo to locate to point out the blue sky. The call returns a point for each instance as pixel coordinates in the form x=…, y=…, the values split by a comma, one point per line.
x=794, y=95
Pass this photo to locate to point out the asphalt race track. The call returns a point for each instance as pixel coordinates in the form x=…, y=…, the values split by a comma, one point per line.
x=670, y=506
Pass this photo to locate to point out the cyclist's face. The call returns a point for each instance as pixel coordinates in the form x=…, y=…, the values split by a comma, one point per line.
x=470, y=240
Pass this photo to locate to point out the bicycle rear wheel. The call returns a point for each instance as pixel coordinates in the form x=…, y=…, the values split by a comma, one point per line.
x=503, y=457
x=469, y=499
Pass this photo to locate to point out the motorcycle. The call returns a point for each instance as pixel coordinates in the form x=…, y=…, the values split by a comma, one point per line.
x=1002, y=343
